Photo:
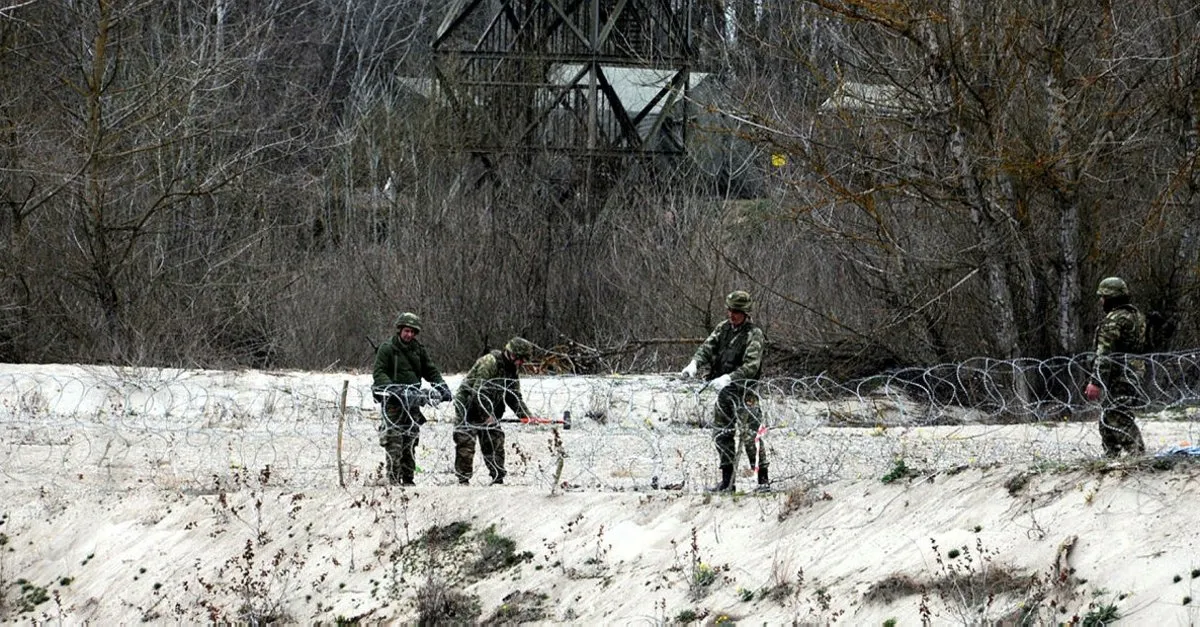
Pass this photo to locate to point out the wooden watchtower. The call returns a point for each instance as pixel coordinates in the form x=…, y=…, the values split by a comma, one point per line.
x=594, y=78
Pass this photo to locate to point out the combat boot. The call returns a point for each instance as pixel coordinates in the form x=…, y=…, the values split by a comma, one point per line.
x=726, y=484
x=764, y=480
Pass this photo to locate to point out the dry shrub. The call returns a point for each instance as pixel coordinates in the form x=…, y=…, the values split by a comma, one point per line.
x=445, y=535
x=801, y=497
x=438, y=604
x=519, y=607
x=891, y=588
x=996, y=582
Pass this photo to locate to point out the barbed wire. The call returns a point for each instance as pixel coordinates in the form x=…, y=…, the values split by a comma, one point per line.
x=208, y=430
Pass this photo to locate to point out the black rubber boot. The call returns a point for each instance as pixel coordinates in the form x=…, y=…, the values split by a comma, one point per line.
x=726, y=484
x=764, y=480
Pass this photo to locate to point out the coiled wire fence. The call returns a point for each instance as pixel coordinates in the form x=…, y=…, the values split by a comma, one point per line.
x=198, y=431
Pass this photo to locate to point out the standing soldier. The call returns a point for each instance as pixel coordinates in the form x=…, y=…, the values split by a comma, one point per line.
x=479, y=403
x=1117, y=371
x=400, y=364
x=733, y=354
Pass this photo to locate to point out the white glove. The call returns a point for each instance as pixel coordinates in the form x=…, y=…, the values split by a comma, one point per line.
x=689, y=370
x=721, y=382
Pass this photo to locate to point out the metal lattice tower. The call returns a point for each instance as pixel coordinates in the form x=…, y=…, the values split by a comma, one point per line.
x=599, y=78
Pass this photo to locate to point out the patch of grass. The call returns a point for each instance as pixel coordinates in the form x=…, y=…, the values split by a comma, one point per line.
x=782, y=585
x=518, y=608
x=1016, y=483
x=970, y=583
x=445, y=535
x=497, y=552
x=1101, y=614
x=31, y=596
x=891, y=588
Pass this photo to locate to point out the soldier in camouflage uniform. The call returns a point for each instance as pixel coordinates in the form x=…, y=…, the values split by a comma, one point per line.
x=1117, y=372
x=479, y=403
x=733, y=353
x=403, y=361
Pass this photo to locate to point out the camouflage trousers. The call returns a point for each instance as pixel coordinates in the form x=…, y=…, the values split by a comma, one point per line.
x=399, y=434
x=1118, y=431
x=491, y=446
x=736, y=420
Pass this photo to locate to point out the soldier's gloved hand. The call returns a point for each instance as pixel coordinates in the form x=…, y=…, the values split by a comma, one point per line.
x=444, y=391
x=689, y=370
x=721, y=382
x=432, y=398
x=1092, y=392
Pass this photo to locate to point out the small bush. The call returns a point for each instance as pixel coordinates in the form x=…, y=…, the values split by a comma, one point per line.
x=438, y=603
x=445, y=535
x=900, y=470
x=497, y=552
x=1016, y=483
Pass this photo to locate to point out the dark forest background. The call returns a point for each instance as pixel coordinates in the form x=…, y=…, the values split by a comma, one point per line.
x=219, y=184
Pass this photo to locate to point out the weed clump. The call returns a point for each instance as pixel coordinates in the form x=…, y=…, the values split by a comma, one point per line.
x=519, y=608
x=497, y=552
x=438, y=603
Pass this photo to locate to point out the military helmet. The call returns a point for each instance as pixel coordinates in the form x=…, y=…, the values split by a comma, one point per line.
x=410, y=320
x=1112, y=286
x=520, y=348
x=739, y=301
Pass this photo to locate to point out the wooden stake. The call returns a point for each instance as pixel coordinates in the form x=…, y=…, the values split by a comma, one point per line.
x=341, y=427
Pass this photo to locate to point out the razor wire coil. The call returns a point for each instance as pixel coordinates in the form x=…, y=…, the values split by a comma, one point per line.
x=200, y=430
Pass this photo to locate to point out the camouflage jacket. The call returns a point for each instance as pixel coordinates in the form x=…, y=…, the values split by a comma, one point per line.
x=737, y=352
x=397, y=362
x=1121, y=335
x=488, y=386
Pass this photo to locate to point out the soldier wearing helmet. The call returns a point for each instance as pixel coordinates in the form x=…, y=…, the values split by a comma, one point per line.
x=733, y=354
x=1117, y=371
x=489, y=386
x=400, y=365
